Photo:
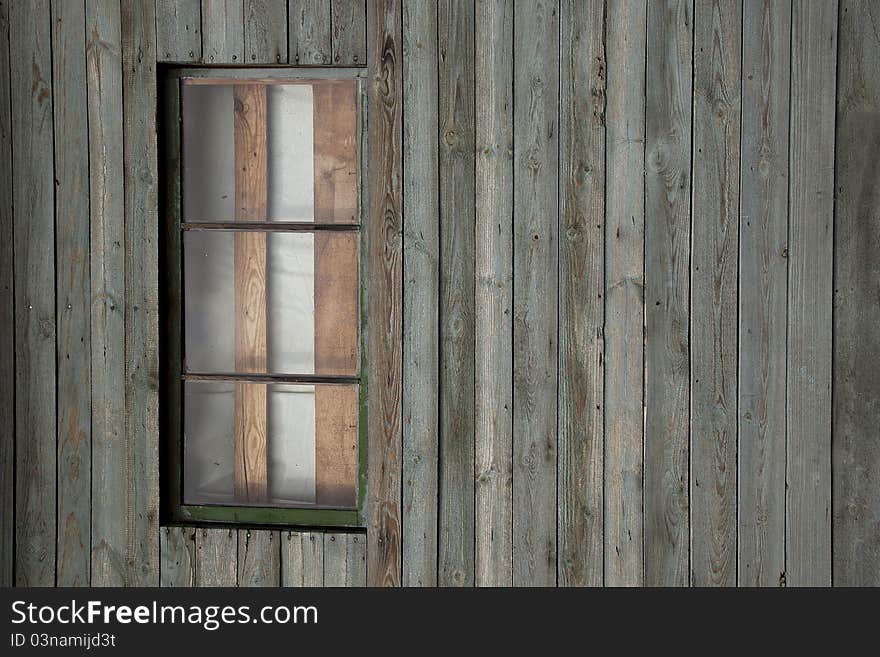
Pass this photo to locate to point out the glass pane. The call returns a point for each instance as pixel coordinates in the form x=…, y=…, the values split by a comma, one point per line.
x=299, y=449
x=279, y=303
x=301, y=135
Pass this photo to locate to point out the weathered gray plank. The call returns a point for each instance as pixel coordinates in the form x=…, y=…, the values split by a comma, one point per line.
x=455, y=26
x=856, y=441
x=178, y=30
x=581, y=286
x=384, y=292
x=762, y=303
x=107, y=256
x=624, y=291
x=421, y=258
x=493, y=324
x=178, y=549
x=7, y=318
x=309, y=31
x=811, y=231
x=223, y=31
x=259, y=558
x=217, y=562
x=72, y=293
x=714, y=271
x=32, y=171
x=536, y=105
x=302, y=559
x=344, y=560
x=141, y=463
x=667, y=247
x=265, y=31
x=349, y=35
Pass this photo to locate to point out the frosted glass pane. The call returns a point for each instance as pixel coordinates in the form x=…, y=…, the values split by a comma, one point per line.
x=208, y=153
x=292, y=434
x=209, y=301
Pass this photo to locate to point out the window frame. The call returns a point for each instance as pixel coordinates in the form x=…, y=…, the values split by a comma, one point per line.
x=172, y=506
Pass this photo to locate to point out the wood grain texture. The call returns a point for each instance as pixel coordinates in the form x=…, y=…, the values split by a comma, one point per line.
x=251, y=472
x=581, y=287
x=349, y=32
x=344, y=560
x=763, y=273
x=421, y=290
x=455, y=24
x=259, y=558
x=223, y=31
x=536, y=110
x=107, y=279
x=810, y=247
x=178, y=30
x=337, y=341
x=302, y=559
x=177, y=545
x=714, y=273
x=309, y=31
x=217, y=556
x=667, y=291
x=493, y=270
x=336, y=445
x=34, y=239
x=856, y=447
x=336, y=151
x=72, y=289
x=384, y=291
x=7, y=318
x=141, y=460
x=265, y=31
x=624, y=291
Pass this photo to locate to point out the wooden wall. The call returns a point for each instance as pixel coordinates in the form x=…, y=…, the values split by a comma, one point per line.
x=623, y=300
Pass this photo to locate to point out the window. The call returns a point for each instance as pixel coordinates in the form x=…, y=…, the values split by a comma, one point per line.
x=263, y=332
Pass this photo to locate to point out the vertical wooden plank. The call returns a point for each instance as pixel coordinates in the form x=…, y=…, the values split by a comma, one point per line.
x=337, y=349
x=349, y=32
x=455, y=23
x=536, y=109
x=714, y=274
x=107, y=263
x=624, y=291
x=72, y=293
x=141, y=462
x=178, y=30
x=581, y=286
x=344, y=560
x=265, y=31
x=811, y=232
x=493, y=268
x=217, y=552
x=421, y=301
x=384, y=291
x=178, y=549
x=856, y=443
x=762, y=292
x=309, y=32
x=7, y=317
x=302, y=559
x=223, y=31
x=34, y=239
x=667, y=249
x=251, y=473
x=259, y=558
